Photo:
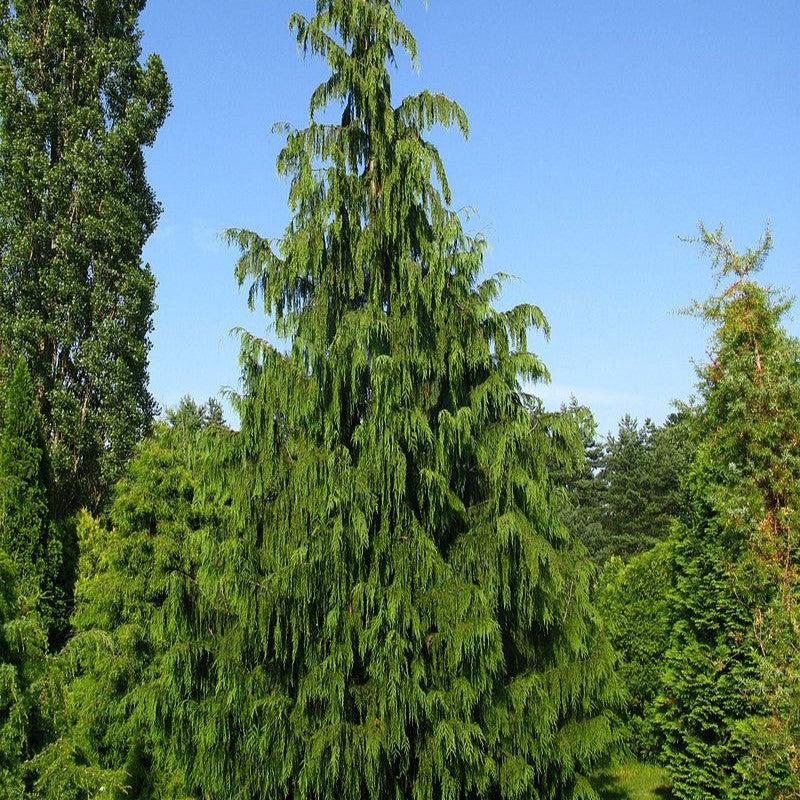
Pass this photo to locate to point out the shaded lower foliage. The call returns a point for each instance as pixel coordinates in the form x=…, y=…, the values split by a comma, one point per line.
x=23, y=654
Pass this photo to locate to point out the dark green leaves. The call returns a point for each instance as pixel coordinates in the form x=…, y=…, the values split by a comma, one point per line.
x=77, y=107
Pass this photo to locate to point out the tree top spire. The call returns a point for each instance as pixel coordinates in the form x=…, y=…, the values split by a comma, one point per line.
x=725, y=259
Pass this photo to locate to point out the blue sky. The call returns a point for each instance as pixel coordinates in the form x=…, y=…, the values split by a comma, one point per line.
x=601, y=132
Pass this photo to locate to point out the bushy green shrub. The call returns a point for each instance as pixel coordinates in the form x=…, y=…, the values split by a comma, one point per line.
x=29, y=532
x=23, y=653
x=137, y=582
x=633, y=598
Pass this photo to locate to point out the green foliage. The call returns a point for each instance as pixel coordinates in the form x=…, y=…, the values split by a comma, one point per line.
x=626, y=492
x=633, y=598
x=28, y=532
x=731, y=697
x=189, y=418
x=583, y=486
x=134, y=578
x=643, y=469
x=76, y=109
x=397, y=609
x=23, y=647
x=24, y=477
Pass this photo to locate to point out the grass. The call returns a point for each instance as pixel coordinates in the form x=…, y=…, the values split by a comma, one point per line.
x=633, y=782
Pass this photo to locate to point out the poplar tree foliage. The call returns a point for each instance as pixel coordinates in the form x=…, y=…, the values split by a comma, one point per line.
x=400, y=611
x=732, y=687
x=28, y=532
x=76, y=109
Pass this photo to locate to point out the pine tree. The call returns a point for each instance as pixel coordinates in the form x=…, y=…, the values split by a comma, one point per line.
x=400, y=612
x=643, y=469
x=76, y=109
x=28, y=532
x=732, y=687
x=628, y=489
x=583, y=488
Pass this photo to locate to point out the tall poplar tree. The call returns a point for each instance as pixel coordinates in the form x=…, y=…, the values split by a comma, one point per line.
x=731, y=704
x=400, y=611
x=76, y=109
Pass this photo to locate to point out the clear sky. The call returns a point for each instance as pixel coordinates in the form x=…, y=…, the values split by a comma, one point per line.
x=601, y=132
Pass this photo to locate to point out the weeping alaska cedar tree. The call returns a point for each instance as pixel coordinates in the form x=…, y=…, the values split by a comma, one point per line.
x=398, y=610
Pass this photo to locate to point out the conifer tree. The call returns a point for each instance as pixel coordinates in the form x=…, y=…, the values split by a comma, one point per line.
x=641, y=470
x=400, y=611
x=28, y=532
x=137, y=580
x=23, y=648
x=583, y=488
x=633, y=597
x=76, y=109
x=732, y=687
x=628, y=489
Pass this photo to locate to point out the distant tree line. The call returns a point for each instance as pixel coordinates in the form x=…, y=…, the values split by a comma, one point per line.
x=626, y=492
